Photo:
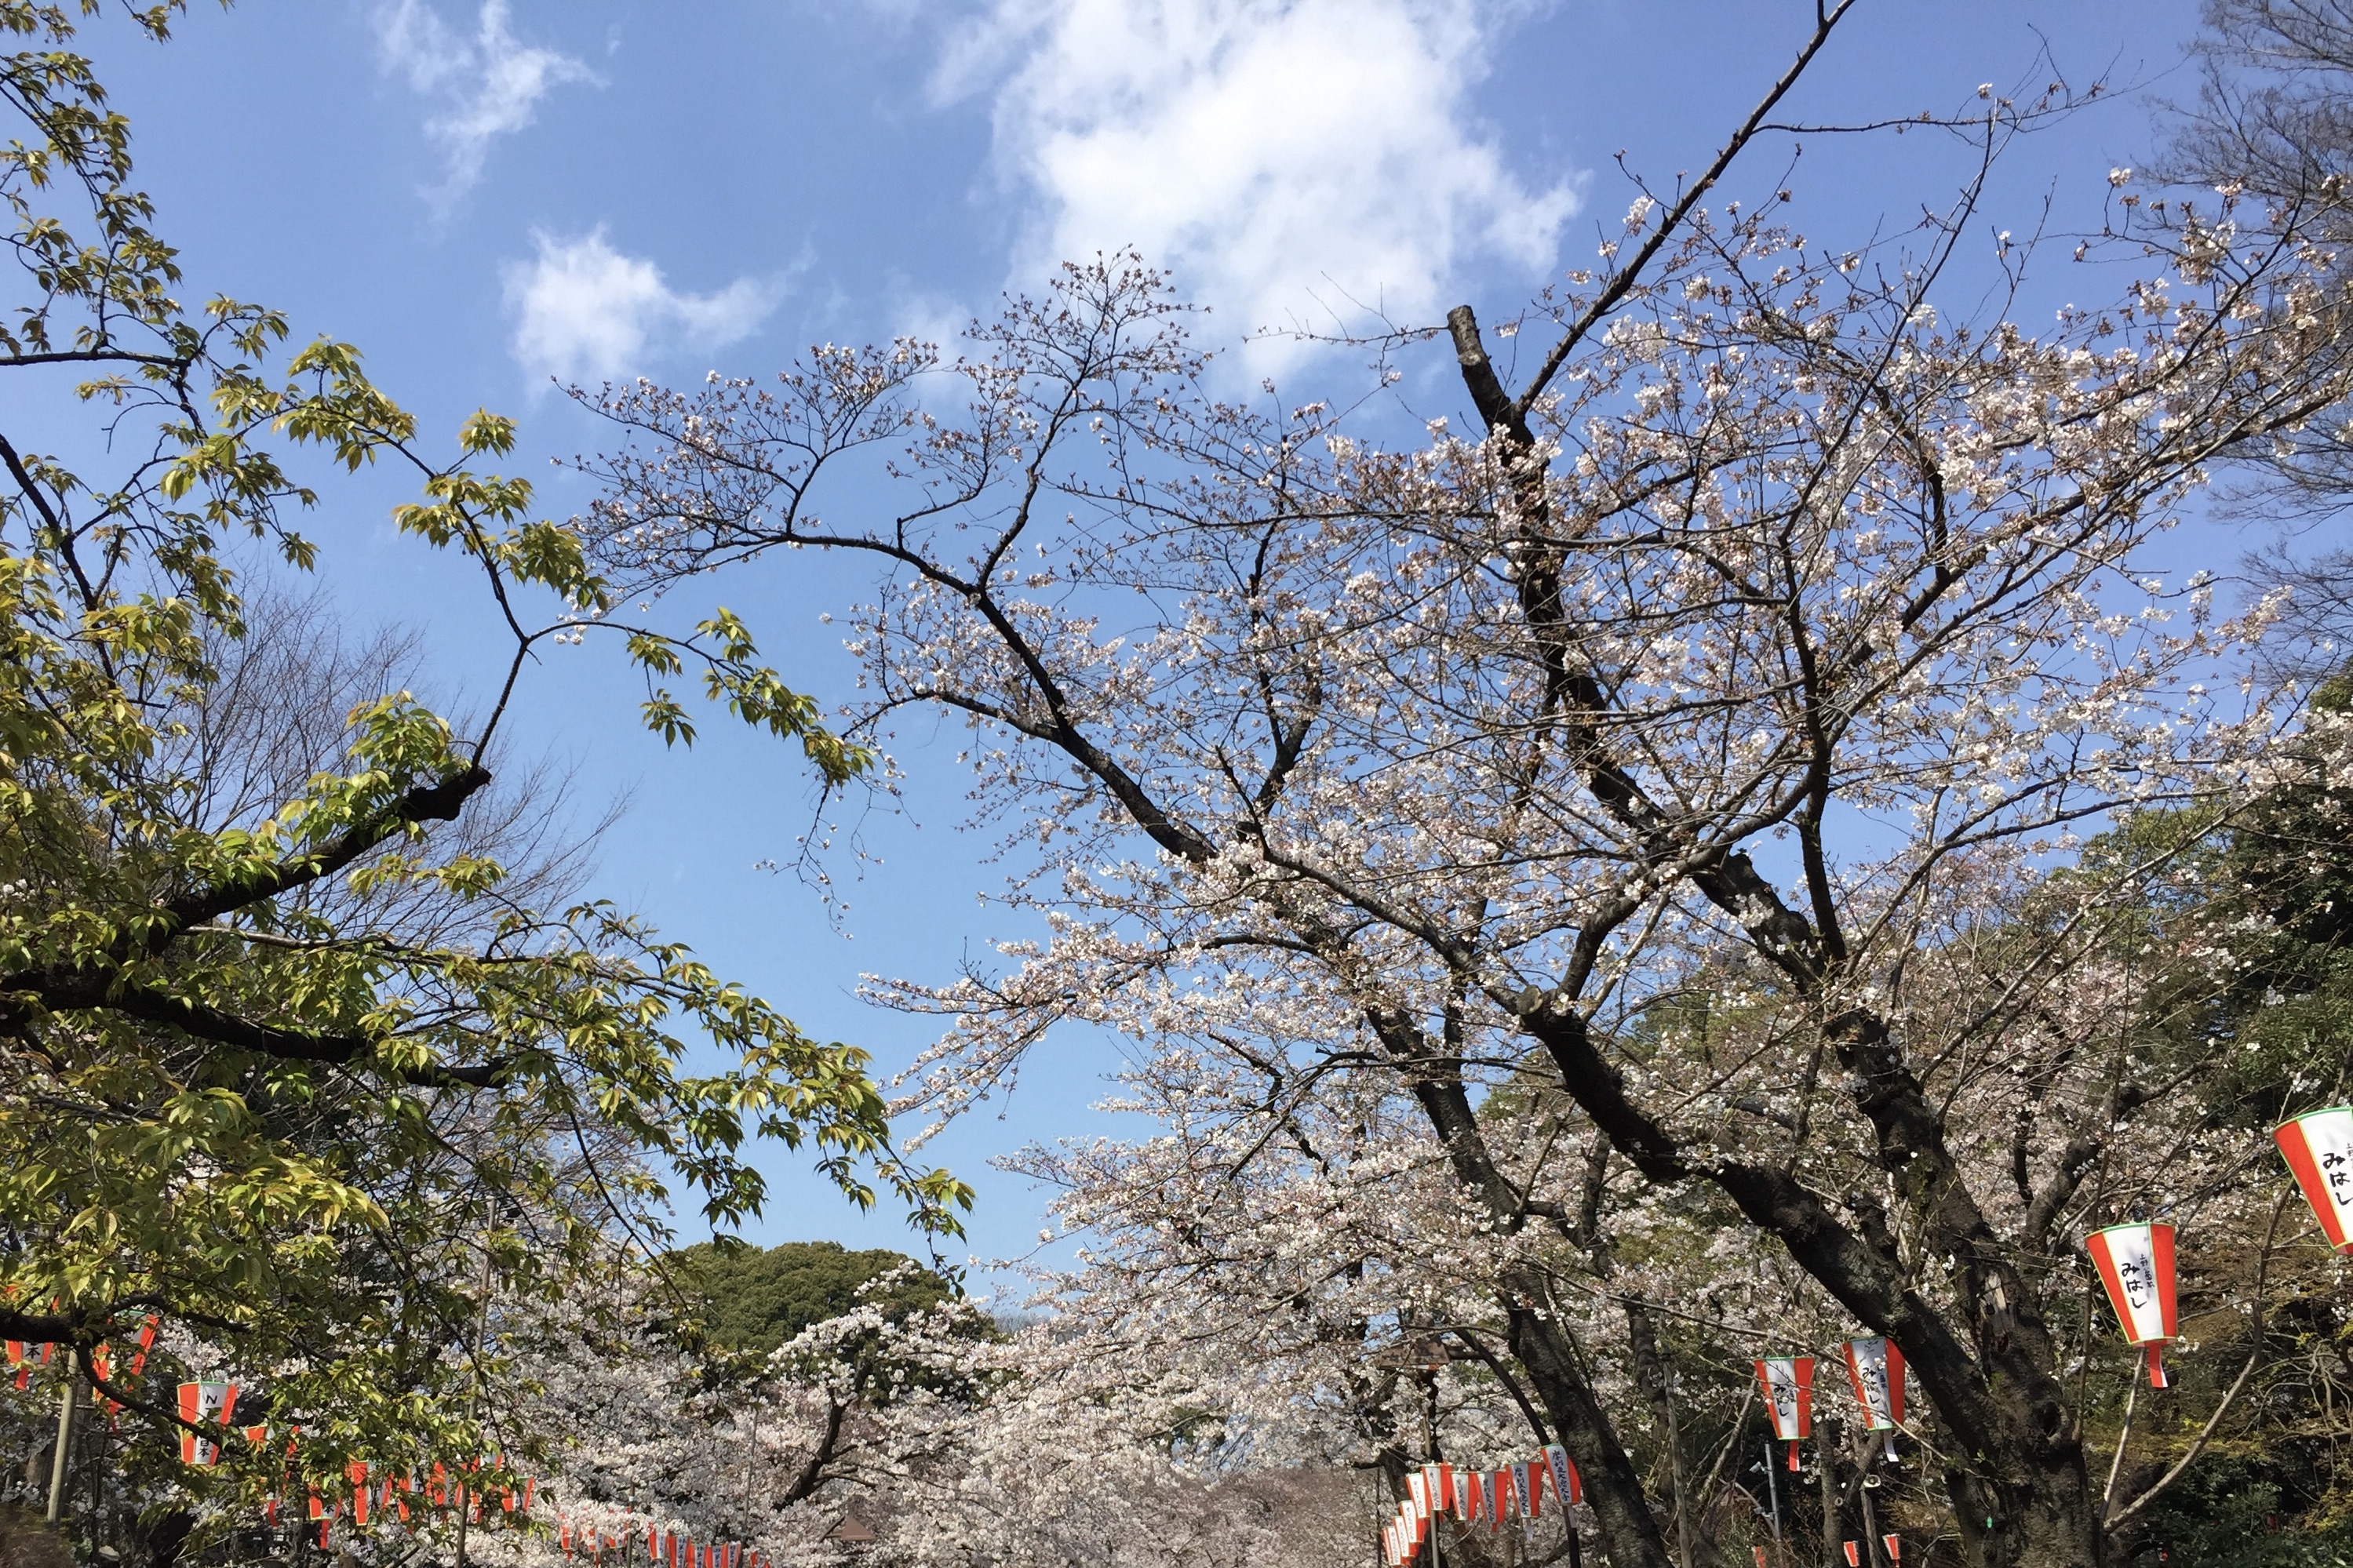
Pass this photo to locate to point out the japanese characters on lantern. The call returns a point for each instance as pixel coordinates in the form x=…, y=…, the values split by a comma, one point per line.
x=205, y=1404
x=1788, y=1384
x=1876, y=1366
x=2135, y=1264
x=1567, y=1486
x=2319, y=1149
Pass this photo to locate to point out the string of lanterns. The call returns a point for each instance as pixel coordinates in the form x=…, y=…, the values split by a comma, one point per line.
x=2135, y=1262
x=2135, y=1265
x=374, y=1494
x=1514, y=1489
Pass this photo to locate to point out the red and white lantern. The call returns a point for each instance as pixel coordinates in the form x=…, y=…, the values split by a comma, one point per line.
x=1894, y=1546
x=1853, y=1554
x=1496, y=1485
x=1527, y=1481
x=2319, y=1149
x=146, y=1343
x=1788, y=1384
x=1567, y=1486
x=1875, y=1367
x=2135, y=1264
x=205, y=1404
x=24, y=1357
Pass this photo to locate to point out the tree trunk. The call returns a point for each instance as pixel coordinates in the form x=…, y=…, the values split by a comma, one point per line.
x=1629, y=1533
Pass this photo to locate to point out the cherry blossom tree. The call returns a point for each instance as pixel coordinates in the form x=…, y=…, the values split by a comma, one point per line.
x=1631, y=818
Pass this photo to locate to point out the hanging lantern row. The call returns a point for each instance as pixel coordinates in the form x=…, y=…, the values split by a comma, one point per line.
x=25, y=1356
x=2135, y=1265
x=213, y=1404
x=1891, y=1544
x=2136, y=1262
x=1512, y=1490
x=1876, y=1368
x=592, y=1540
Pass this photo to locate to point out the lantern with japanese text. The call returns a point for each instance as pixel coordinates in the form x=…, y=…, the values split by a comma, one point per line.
x=1567, y=1486
x=1788, y=1384
x=1875, y=1367
x=2319, y=1149
x=1525, y=1484
x=24, y=1357
x=2135, y=1264
x=205, y=1404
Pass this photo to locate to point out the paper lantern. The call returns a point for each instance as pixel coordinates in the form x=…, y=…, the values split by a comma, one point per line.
x=2319, y=1149
x=1759, y=1552
x=1466, y=1495
x=1853, y=1554
x=1524, y=1477
x=24, y=1357
x=2135, y=1264
x=146, y=1343
x=1567, y=1486
x=1417, y=1489
x=1894, y=1546
x=204, y=1404
x=1875, y=1367
x=1788, y=1384
x=1496, y=1488
x=358, y=1472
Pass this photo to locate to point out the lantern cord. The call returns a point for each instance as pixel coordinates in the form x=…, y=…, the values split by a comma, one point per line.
x=2116, y=1465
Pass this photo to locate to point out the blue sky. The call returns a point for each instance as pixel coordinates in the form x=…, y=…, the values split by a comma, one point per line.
x=482, y=196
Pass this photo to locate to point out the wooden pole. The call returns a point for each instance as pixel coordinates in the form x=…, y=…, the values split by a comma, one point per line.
x=59, y=1464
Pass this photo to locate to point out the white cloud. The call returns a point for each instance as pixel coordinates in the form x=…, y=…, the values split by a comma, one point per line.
x=584, y=312
x=492, y=82
x=1284, y=157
